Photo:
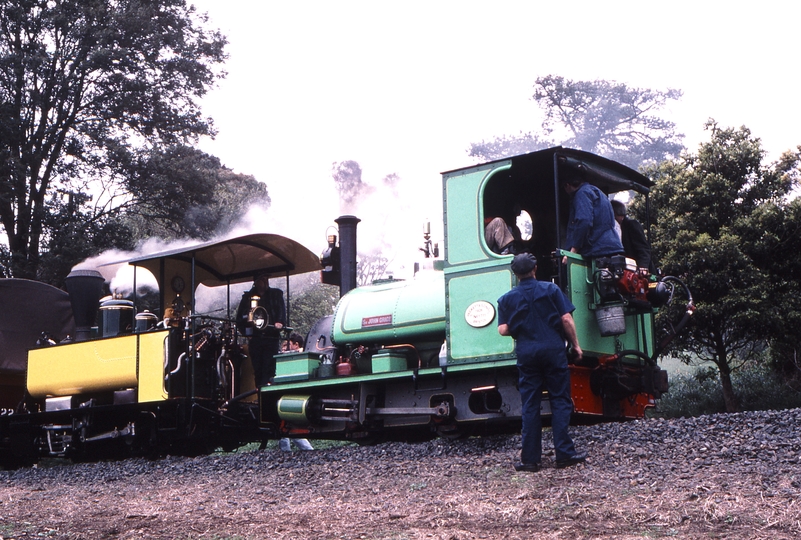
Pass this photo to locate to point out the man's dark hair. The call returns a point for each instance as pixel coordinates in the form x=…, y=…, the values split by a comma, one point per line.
x=618, y=207
x=575, y=176
x=297, y=338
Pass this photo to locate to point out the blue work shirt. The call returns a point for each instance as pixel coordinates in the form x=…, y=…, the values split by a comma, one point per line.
x=533, y=311
x=591, y=229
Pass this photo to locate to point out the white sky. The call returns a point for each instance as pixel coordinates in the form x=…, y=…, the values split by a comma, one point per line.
x=405, y=87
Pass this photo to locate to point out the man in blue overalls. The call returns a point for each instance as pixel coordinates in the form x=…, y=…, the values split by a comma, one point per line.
x=539, y=317
x=591, y=227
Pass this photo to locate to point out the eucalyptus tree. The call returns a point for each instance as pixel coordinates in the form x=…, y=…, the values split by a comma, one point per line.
x=604, y=117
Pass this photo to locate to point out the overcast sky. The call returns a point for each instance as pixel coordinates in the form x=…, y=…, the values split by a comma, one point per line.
x=405, y=87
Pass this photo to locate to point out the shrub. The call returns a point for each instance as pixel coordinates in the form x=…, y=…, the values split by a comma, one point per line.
x=691, y=395
x=757, y=389
x=761, y=389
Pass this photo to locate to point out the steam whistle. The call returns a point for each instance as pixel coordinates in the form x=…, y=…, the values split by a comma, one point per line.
x=429, y=249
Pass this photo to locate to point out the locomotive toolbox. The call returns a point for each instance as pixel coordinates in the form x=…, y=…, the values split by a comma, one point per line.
x=296, y=366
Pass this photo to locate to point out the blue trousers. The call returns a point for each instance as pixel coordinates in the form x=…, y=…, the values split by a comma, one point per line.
x=545, y=371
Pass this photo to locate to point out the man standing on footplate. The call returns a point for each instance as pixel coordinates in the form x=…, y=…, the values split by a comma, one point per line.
x=539, y=317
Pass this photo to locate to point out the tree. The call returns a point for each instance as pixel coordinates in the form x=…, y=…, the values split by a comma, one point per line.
x=86, y=86
x=73, y=232
x=182, y=192
x=347, y=176
x=603, y=117
x=720, y=214
x=353, y=191
x=777, y=242
x=371, y=266
x=509, y=145
x=314, y=301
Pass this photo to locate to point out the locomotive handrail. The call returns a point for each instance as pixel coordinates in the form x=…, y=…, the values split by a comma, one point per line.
x=688, y=313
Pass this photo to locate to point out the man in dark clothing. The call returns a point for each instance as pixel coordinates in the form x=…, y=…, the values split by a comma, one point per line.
x=263, y=336
x=539, y=316
x=591, y=229
x=635, y=245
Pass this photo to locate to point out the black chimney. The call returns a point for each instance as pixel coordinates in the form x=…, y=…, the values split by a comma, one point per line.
x=347, y=244
x=84, y=288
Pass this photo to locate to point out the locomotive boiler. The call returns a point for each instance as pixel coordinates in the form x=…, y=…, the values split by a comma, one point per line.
x=398, y=359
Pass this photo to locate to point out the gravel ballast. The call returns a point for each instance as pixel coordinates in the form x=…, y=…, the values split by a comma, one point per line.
x=718, y=476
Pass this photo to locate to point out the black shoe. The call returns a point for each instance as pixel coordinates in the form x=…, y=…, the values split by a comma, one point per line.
x=527, y=467
x=572, y=460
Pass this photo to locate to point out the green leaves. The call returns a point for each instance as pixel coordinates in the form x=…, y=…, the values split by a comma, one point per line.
x=723, y=222
x=182, y=192
x=86, y=85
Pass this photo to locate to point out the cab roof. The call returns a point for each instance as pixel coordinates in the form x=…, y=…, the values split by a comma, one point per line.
x=610, y=176
x=235, y=260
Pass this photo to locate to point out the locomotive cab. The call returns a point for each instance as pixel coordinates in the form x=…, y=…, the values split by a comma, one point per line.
x=617, y=325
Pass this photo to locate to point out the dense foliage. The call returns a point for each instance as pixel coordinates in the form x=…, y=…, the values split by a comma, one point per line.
x=87, y=86
x=724, y=222
x=182, y=192
x=312, y=303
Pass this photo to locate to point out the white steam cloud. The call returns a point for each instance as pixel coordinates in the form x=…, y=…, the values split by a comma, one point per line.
x=392, y=214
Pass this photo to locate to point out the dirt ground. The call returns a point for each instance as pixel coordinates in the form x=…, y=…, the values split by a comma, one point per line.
x=392, y=492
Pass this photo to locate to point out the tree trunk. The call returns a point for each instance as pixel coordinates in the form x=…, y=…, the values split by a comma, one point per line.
x=729, y=398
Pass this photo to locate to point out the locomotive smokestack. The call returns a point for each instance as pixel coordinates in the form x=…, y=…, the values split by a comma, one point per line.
x=347, y=244
x=84, y=288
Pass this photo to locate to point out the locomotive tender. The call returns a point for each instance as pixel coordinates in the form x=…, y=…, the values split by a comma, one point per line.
x=398, y=359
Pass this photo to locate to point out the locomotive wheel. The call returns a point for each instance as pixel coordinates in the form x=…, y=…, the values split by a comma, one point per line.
x=370, y=440
x=452, y=432
x=191, y=449
x=455, y=436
